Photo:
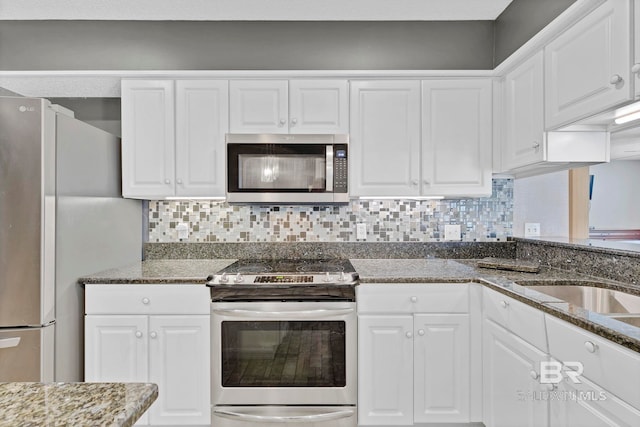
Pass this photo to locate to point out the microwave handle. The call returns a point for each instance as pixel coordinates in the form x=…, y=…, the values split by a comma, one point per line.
x=329, y=175
x=298, y=418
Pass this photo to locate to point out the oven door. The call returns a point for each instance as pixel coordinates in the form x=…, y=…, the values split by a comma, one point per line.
x=284, y=353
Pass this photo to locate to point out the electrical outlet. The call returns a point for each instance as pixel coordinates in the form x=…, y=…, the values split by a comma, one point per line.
x=361, y=231
x=531, y=229
x=452, y=232
x=183, y=230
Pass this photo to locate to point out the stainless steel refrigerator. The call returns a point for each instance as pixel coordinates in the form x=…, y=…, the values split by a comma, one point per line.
x=61, y=217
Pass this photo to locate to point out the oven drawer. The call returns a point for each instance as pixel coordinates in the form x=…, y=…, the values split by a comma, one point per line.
x=293, y=416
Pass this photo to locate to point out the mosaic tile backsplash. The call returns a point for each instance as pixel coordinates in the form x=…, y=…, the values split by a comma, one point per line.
x=480, y=219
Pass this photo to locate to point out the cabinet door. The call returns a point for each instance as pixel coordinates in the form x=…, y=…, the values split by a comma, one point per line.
x=258, y=106
x=115, y=349
x=523, y=114
x=385, y=138
x=385, y=370
x=147, y=138
x=587, y=68
x=456, y=120
x=202, y=119
x=441, y=368
x=179, y=364
x=318, y=106
x=512, y=392
x=585, y=404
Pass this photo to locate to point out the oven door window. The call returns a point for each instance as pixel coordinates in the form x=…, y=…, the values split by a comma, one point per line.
x=283, y=354
x=275, y=167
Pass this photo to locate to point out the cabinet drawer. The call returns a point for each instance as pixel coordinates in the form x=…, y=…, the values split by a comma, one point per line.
x=413, y=298
x=521, y=319
x=606, y=363
x=147, y=299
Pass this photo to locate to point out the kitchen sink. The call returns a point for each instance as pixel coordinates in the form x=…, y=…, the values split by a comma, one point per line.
x=633, y=320
x=599, y=300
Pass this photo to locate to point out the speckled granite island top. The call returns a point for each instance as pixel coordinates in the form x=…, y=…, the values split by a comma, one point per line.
x=74, y=404
x=160, y=271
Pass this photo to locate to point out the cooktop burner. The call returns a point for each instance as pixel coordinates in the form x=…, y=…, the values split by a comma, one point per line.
x=254, y=280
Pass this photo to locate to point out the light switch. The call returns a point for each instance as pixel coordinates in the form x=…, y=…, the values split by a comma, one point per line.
x=361, y=231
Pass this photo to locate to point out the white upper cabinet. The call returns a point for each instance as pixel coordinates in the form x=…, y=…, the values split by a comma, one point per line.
x=173, y=138
x=385, y=138
x=259, y=106
x=318, y=106
x=283, y=106
x=588, y=68
x=148, y=138
x=524, y=114
x=456, y=137
x=202, y=118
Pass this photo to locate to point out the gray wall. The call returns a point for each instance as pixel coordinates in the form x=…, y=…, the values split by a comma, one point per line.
x=521, y=20
x=178, y=45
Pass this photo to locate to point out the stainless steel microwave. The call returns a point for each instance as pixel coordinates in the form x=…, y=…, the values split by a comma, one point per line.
x=274, y=168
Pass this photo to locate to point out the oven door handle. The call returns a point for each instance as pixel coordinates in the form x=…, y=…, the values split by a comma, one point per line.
x=301, y=418
x=302, y=314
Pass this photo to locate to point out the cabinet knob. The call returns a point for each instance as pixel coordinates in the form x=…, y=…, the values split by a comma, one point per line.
x=533, y=375
x=282, y=122
x=535, y=145
x=615, y=79
x=414, y=182
x=504, y=304
x=294, y=122
x=635, y=69
x=414, y=299
x=153, y=335
x=167, y=181
x=425, y=182
x=590, y=346
x=146, y=300
x=409, y=335
x=179, y=181
x=421, y=332
x=138, y=334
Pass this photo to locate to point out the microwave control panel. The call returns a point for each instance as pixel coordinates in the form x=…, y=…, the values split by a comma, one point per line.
x=340, y=168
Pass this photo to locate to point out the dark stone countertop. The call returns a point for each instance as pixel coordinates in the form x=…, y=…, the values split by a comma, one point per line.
x=74, y=404
x=418, y=270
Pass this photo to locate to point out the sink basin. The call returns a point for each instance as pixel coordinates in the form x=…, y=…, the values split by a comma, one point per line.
x=631, y=320
x=599, y=300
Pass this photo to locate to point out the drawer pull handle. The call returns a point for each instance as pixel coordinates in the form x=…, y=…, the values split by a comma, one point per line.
x=138, y=334
x=534, y=375
x=409, y=335
x=504, y=304
x=590, y=346
x=414, y=299
x=146, y=301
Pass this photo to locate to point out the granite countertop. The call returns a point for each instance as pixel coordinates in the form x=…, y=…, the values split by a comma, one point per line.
x=74, y=404
x=160, y=271
x=419, y=270
x=518, y=285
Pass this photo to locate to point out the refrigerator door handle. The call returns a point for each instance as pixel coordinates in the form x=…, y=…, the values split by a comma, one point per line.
x=9, y=342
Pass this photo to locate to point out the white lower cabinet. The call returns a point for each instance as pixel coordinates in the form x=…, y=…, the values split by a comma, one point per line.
x=159, y=345
x=512, y=393
x=414, y=367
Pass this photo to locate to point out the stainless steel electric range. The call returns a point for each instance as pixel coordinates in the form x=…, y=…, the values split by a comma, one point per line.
x=284, y=343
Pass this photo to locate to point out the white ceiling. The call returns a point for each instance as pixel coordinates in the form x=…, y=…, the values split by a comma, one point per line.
x=254, y=10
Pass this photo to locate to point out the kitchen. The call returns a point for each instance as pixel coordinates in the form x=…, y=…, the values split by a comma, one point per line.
x=311, y=230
